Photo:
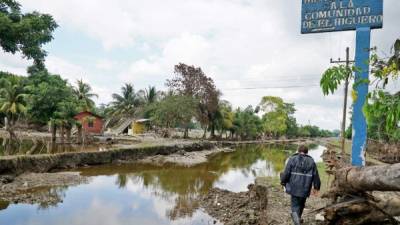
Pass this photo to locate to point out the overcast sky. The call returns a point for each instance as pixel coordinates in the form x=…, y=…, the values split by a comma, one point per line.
x=239, y=43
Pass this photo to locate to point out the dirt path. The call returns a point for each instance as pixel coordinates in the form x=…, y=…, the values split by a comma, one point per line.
x=241, y=209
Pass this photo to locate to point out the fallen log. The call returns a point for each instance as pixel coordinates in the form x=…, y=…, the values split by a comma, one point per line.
x=376, y=208
x=361, y=195
x=371, y=178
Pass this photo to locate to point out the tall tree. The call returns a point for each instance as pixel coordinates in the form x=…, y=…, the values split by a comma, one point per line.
x=225, y=117
x=84, y=94
x=191, y=81
x=174, y=111
x=127, y=104
x=149, y=95
x=12, y=102
x=276, y=115
x=46, y=92
x=25, y=32
x=247, y=124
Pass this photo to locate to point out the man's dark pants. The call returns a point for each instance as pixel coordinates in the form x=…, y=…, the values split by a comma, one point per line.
x=298, y=204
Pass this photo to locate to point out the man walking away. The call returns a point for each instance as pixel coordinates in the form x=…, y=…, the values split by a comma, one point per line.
x=300, y=175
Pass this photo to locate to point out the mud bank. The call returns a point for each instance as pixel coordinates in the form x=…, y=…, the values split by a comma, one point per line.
x=184, y=158
x=33, y=188
x=42, y=163
x=15, y=165
x=266, y=142
x=247, y=208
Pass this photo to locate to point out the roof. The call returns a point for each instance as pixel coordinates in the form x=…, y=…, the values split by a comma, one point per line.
x=93, y=114
x=142, y=120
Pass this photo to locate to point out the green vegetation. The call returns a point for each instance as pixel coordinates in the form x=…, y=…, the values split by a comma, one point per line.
x=83, y=93
x=325, y=179
x=126, y=104
x=12, y=101
x=173, y=111
x=25, y=32
x=191, y=101
x=383, y=108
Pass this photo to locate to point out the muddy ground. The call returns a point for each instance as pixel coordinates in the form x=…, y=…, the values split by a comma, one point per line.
x=243, y=209
x=38, y=188
x=46, y=188
x=184, y=158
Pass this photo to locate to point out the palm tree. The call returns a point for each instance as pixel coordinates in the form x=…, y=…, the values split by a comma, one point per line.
x=84, y=94
x=127, y=103
x=12, y=102
x=64, y=118
x=149, y=95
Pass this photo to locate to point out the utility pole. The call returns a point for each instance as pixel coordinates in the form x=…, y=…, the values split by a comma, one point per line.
x=346, y=90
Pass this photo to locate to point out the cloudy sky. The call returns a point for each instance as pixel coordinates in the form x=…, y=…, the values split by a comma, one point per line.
x=251, y=48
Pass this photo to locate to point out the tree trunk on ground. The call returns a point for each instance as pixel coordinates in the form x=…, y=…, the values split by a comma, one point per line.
x=371, y=178
x=376, y=209
x=359, y=207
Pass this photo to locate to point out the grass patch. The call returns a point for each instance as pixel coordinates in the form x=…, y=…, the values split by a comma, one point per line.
x=325, y=178
x=347, y=148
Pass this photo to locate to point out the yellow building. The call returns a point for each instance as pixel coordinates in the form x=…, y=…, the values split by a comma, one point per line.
x=140, y=126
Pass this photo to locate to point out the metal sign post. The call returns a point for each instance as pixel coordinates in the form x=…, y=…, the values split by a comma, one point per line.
x=341, y=15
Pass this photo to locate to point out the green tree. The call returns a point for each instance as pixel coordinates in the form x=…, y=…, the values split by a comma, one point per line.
x=224, y=120
x=382, y=109
x=276, y=115
x=127, y=104
x=84, y=94
x=46, y=92
x=292, y=127
x=174, y=111
x=150, y=95
x=383, y=116
x=64, y=118
x=12, y=102
x=246, y=124
x=25, y=32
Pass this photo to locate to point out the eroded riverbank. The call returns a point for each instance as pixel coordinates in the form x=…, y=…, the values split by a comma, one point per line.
x=176, y=188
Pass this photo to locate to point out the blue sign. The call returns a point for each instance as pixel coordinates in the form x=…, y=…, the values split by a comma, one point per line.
x=340, y=15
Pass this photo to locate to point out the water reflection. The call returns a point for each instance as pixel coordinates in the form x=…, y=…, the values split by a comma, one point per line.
x=38, y=146
x=148, y=194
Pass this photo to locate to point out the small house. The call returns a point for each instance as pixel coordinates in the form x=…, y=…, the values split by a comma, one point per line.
x=140, y=126
x=91, y=123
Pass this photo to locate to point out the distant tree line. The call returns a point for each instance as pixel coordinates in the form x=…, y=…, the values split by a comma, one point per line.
x=192, y=99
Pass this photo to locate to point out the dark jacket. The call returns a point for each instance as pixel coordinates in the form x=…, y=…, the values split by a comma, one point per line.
x=299, y=175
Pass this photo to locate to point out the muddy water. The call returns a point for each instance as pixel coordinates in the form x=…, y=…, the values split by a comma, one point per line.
x=30, y=147
x=146, y=194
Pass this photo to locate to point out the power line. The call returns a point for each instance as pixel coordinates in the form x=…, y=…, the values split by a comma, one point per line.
x=275, y=87
x=300, y=77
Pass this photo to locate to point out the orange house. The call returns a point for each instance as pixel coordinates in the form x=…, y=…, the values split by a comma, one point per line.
x=91, y=123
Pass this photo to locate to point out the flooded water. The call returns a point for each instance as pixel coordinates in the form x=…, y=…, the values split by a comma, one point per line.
x=146, y=194
x=35, y=147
